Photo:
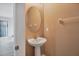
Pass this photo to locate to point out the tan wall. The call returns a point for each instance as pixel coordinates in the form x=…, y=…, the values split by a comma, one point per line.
x=50, y=23
x=62, y=39
x=30, y=49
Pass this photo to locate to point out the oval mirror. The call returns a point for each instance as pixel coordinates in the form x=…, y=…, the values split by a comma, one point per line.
x=34, y=19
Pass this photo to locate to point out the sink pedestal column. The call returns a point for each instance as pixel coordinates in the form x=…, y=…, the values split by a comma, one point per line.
x=37, y=51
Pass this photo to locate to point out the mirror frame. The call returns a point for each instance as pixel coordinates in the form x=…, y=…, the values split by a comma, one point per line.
x=27, y=17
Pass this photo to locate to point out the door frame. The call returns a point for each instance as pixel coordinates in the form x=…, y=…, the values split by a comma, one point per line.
x=19, y=23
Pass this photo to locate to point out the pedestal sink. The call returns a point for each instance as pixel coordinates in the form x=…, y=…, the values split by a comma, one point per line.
x=37, y=43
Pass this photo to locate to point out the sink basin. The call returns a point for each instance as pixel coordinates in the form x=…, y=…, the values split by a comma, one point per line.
x=39, y=41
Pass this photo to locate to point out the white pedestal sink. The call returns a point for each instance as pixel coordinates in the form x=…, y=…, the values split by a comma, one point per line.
x=37, y=43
